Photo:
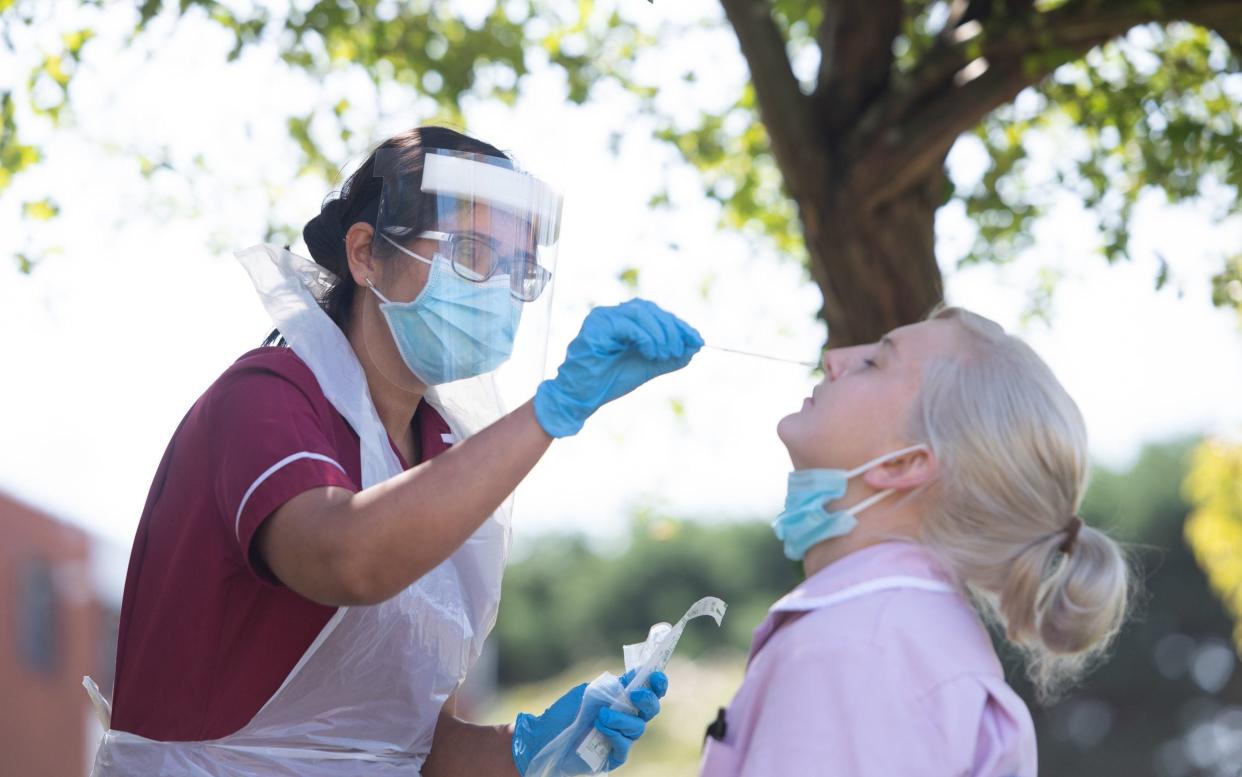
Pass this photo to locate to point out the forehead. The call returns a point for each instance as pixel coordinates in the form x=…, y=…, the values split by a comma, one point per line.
x=914, y=344
x=497, y=223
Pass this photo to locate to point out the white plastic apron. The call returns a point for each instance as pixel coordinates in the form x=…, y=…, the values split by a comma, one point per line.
x=364, y=698
x=722, y=760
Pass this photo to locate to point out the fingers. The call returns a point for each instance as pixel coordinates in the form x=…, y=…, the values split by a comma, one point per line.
x=646, y=702
x=629, y=726
x=620, y=749
x=647, y=699
x=658, y=681
x=673, y=339
x=644, y=317
x=669, y=327
x=621, y=731
x=694, y=341
x=612, y=327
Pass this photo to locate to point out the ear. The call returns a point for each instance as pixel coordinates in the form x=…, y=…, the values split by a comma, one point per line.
x=909, y=470
x=362, y=263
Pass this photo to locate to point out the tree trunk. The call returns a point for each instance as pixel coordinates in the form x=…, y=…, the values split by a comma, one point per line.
x=877, y=268
x=863, y=155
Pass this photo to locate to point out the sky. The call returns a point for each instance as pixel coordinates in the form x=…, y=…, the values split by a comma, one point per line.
x=111, y=339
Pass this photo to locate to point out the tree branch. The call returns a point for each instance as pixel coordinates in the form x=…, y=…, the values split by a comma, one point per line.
x=1078, y=23
x=963, y=11
x=1231, y=32
x=856, y=44
x=917, y=122
x=785, y=111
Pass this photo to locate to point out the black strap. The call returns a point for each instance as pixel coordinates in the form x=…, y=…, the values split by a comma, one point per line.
x=716, y=729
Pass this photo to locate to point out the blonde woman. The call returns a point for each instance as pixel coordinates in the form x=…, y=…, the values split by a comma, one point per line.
x=938, y=474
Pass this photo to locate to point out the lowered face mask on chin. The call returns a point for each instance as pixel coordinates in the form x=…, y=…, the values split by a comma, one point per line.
x=805, y=523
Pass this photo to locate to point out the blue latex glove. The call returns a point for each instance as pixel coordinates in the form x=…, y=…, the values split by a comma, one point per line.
x=617, y=350
x=531, y=734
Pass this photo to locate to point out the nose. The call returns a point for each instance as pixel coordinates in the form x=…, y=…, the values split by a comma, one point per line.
x=831, y=363
x=838, y=361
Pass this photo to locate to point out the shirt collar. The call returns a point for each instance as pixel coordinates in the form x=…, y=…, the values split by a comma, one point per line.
x=896, y=558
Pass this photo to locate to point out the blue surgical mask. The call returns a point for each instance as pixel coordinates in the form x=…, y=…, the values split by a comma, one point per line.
x=455, y=328
x=805, y=523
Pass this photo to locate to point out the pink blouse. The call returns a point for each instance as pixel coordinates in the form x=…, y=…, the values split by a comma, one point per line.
x=874, y=666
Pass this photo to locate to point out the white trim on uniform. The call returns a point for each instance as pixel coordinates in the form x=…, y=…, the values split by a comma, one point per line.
x=792, y=603
x=271, y=471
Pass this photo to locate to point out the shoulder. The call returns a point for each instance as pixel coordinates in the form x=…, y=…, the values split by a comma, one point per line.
x=267, y=391
x=983, y=723
x=812, y=660
x=943, y=627
x=850, y=692
x=277, y=361
x=264, y=374
x=924, y=637
x=799, y=684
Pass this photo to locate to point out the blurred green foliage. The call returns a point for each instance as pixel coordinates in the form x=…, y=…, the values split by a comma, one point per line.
x=1149, y=110
x=1214, y=530
x=568, y=603
x=1172, y=681
x=1160, y=705
x=15, y=156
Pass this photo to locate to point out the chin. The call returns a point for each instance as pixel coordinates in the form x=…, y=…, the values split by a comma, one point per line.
x=787, y=430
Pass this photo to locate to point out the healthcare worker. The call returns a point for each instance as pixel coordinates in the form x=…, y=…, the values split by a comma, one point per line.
x=320, y=556
x=940, y=466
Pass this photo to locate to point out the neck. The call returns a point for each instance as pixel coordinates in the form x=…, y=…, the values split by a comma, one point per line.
x=395, y=404
x=882, y=523
x=836, y=548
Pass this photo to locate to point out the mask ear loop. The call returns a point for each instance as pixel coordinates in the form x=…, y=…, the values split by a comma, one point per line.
x=864, y=504
x=856, y=471
x=383, y=299
x=405, y=250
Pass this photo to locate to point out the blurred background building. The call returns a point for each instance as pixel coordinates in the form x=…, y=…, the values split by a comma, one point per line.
x=58, y=620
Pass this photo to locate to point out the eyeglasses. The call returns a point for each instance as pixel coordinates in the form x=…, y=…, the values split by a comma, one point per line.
x=476, y=258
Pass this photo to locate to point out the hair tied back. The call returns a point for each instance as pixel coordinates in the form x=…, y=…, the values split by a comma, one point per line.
x=1071, y=535
x=325, y=236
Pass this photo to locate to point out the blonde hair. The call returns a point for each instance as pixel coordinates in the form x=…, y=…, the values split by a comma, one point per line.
x=1011, y=446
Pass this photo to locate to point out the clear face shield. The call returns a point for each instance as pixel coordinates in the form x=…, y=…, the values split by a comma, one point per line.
x=461, y=303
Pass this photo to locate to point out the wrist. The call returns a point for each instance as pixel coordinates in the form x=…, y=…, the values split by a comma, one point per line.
x=555, y=413
x=520, y=733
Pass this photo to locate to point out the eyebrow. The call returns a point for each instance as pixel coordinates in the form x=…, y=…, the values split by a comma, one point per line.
x=886, y=340
x=496, y=244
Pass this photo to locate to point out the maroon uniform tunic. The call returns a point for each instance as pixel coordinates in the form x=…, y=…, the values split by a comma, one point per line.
x=207, y=634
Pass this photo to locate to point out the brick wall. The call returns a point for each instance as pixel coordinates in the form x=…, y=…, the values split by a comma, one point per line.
x=50, y=624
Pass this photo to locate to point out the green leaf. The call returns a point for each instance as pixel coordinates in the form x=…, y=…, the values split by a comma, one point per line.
x=1227, y=286
x=1154, y=117
x=629, y=278
x=15, y=156
x=40, y=210
x=74, y=41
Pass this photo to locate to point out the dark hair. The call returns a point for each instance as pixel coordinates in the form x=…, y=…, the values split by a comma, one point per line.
x=359, y=200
